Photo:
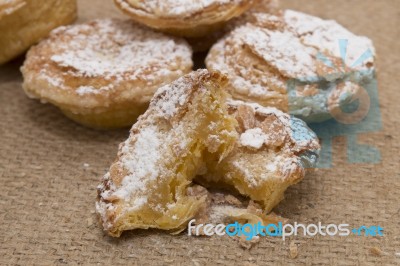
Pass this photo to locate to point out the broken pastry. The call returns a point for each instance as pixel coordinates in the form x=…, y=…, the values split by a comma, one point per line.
x=273, y=152
x=190, y=18
x=149, y=184
x=103, y=73
x=25, y=22
x=295, y=62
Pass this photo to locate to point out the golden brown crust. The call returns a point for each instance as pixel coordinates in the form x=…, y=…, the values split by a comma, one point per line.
x=149, y=184
x=103, y=73
x=194, y=19
x=25, y=22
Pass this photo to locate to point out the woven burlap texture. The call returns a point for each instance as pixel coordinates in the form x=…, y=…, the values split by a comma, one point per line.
x=50, y=167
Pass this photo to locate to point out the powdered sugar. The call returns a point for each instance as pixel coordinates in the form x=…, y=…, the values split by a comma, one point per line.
x=84, y=90
x=140, y=160
x=253, y=138
x=113, y=48
x=169, y=98
x=325, y=34
x=173, y=96
x=280, y=49
x=114, y=51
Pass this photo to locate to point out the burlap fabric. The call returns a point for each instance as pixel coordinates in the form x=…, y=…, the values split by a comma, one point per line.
x=50, y=166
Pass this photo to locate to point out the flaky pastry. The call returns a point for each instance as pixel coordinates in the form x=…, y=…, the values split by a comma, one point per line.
x=273, y=152
x=103, y=73
x=189, y=18
x=149, y=184
x=293, y=61
x=25, y=22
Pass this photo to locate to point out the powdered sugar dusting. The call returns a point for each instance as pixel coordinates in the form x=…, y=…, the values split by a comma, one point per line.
x=173, y=96
x=169, y=98
x=116, y=51
x=140, y=160
x=324, y=35
x=114, y=47
x=84, y=90
x=281, y=49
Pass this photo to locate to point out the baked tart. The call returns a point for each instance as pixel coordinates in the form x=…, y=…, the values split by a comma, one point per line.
x=295, y=62
x=103, y=73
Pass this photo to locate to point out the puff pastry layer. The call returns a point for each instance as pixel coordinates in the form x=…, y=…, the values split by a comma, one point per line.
x=149, y=184
x=103, y=73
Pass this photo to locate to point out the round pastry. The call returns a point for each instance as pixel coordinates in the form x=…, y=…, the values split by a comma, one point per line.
x=189, y=18
x=103, y=73
x=24, y=22
x=295, y=62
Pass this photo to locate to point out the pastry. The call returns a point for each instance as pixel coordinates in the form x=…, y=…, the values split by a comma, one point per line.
x=273, y=152
x=25, y=22
x=189, y=18
x=203, y=43
x=103, y=73
x=149, y=185
x=293, y=61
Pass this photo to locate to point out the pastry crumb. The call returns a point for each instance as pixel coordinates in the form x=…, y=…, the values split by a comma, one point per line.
x=376, y=251
x=293, y=250
x=247, y=244
x=89, y=222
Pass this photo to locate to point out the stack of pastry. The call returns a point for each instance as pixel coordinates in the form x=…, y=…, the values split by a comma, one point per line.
x=227, y=127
